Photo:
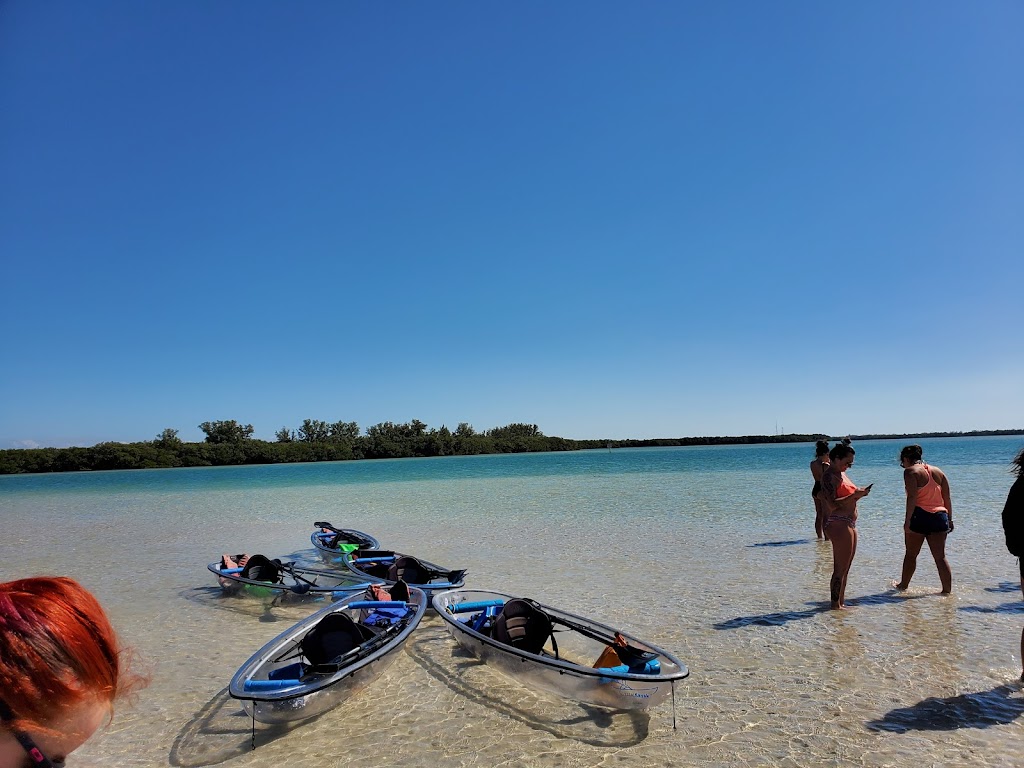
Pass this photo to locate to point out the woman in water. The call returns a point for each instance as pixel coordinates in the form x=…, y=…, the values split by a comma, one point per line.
x=929, y=516
x=60, y=670
x=1013, y=526
x=817, y=468
x=840, y=497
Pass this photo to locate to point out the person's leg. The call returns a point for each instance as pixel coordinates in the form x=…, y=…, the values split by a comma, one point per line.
x=937, y=545
x=914, y=542
x=843, y=544
x=819, y=519
x=849, y=564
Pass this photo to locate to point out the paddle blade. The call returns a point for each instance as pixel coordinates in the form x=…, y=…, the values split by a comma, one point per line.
x=632, y=656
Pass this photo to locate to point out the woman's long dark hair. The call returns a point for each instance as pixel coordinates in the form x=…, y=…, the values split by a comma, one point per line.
x=841, y=451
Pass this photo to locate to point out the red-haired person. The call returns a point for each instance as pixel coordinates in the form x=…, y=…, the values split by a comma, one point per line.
x=60, y=670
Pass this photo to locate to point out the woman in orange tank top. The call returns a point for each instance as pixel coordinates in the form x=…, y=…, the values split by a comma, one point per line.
x=929, y=516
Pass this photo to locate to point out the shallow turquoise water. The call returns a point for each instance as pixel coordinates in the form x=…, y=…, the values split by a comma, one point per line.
x=709, y=552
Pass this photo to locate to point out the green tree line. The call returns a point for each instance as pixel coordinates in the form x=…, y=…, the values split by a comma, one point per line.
x=232, y=443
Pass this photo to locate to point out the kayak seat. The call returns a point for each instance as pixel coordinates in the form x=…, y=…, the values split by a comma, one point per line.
x=262, y=568
x=410, y=570
x=335, y=635
x=522, y=625
x=399, y=591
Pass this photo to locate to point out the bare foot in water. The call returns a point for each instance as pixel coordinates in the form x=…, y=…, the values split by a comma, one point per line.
x=899, y=587
x=838, y=607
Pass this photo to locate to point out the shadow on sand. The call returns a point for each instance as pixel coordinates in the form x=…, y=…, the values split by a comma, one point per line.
x=1015, y=607
x=969, y=710
x=221, y=731
x=789, y=543
x=784, y=617
x=1005, y=586
x=433, y=649
x=282, y=607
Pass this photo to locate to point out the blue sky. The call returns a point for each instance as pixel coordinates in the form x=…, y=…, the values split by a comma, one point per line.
x=608, y=219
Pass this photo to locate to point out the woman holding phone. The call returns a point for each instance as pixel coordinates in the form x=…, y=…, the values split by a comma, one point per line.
x=929, y=516
x=840, y=497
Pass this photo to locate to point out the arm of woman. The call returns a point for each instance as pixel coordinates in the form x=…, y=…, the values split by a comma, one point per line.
x=947, y=500
x=910, y=483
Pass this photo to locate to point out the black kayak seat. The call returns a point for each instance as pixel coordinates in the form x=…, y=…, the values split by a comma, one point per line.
x=262, y=568
x=335, y=635
x=522, y=625
x=399, y=591
x=410, y=570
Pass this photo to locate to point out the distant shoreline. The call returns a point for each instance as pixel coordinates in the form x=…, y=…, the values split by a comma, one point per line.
x=166, y=453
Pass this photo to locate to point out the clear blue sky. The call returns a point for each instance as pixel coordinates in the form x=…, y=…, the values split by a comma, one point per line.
x=650, y=219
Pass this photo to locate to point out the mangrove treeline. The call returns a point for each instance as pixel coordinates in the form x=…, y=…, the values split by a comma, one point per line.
x=232, y=443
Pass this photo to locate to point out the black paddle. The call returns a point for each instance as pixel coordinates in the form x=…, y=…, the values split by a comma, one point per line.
x=364, y=648
x=298, y=589
x=452, y=576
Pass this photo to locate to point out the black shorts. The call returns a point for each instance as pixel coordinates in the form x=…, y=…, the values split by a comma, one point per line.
x=926, y=523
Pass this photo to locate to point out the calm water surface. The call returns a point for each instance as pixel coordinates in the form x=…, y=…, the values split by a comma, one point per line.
x=709, y=552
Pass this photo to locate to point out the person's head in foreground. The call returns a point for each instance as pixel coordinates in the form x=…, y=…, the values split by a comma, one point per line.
x=60, y=670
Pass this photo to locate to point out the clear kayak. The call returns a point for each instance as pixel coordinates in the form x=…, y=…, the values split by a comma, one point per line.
x=326, y=658
x=262, y=577
x=388, y=566
x=552, y=650
x=333, y=543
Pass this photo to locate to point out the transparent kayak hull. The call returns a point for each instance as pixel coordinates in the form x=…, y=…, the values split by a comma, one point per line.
x=294, y=699
x=295, y=581
x=571, y=674
x=373, y=566
x=332, y=548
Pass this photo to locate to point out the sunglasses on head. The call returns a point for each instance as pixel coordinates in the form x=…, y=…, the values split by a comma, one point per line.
x=35, y=754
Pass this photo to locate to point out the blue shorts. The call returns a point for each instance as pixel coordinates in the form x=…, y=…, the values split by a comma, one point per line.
x=926, y=523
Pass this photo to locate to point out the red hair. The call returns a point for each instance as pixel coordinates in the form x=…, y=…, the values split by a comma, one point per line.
x=57, y=649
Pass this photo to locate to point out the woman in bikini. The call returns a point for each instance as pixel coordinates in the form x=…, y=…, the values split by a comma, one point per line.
x=817, y=468
x=929, y=516
x=840, y=497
